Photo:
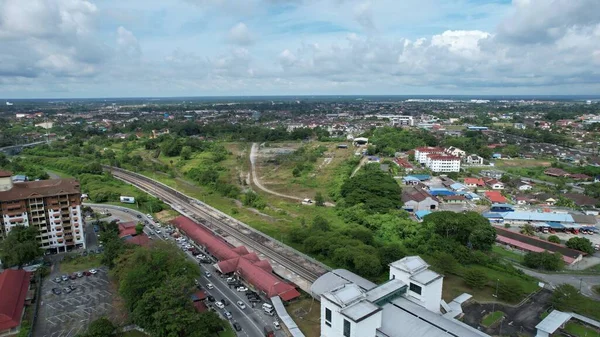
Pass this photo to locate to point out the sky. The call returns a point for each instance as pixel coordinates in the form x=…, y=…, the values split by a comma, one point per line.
x=158, y=48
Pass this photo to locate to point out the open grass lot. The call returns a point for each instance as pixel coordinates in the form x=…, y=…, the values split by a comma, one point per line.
x=306, y=313
x=580, y=330
x=508, y=254
x=518, y=162
x=280, y=178
x=81, y=263
x=492, y=318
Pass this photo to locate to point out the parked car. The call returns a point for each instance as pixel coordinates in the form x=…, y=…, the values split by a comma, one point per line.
x=139, y=216
x=65, y=277
x=219, y=305
x=231, y=280
x=73, y=276
x=237, y=326
x=241, y=305
x=242, y=289
x=79, y=274
x=227, y=315
x=209, y=286
x=211, y=298
x=57, y=280
x=93, y=271
x=56, y=291
x=276, y=325
x=87, y=273
x=207, y=273
x=225, y=301
x=67, y=290
x=72, y=286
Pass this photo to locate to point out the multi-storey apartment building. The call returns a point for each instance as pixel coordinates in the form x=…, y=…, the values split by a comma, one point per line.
x=442, y=163
x=421, y=153
x=51, y=206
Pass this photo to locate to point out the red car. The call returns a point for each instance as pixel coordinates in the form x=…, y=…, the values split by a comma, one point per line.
x=87, y=273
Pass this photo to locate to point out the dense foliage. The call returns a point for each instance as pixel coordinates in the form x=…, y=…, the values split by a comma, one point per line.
x=544, y=260
x=20, y=247
x=581, y=244
x=387, y=140
x=567, y=298
x=377, y=191
x=469, y=229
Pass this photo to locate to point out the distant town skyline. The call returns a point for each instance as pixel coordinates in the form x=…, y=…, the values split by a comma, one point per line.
x=180, y=48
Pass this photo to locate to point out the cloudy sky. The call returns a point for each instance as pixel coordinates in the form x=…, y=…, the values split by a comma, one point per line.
x=123, y=48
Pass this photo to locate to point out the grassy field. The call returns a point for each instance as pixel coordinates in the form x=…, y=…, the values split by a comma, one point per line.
x=518, y=162
x=280, y=178
x=81, y=263
x=492, y=318
x=508, y=254
x=579, y=330
x=306, y=313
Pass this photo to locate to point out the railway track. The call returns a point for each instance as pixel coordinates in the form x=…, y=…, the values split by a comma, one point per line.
x=223, y=225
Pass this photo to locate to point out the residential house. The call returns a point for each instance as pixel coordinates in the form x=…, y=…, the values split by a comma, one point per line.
x=522, y=200
x=579, y=176
x=495, y=197
x=493, y=183
x=453, y=199
x=525, y=187
x=582, y=200
x=402, y=162
x=492, y=174
x=416, y=198
x=473, y=160
x=474, y=182
x=556, y=172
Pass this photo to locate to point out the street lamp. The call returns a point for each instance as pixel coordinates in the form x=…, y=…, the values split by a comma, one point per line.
x=495, y=295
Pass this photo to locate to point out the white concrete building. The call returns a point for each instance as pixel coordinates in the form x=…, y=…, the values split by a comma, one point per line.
x=421, y=153
x=454, y=151
x=408, y=305
x=473, y=160
x=442, y=163
x=403, y=121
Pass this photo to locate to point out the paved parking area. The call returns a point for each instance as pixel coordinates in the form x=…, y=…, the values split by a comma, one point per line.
x=67, y=315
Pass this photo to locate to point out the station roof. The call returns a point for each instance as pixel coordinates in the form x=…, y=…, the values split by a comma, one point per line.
x=538, y=216
x=248, y=265
x=553, y=321
x=13, y=290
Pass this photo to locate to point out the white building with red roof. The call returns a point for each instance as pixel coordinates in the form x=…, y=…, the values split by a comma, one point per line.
x=421, y=153
x=442, y=163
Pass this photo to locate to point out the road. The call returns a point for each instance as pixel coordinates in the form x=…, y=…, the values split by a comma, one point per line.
x=252, y=320
x=586, y=282
x=257, y=182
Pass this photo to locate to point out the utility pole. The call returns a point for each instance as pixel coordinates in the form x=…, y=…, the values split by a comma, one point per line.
x=496, y=296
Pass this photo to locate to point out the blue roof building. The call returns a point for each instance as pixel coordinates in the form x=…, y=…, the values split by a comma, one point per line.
x=19, y=178
x=421, y=214
x=538, y=216
x=458, y=187
x=421, y=177
x=441, y=191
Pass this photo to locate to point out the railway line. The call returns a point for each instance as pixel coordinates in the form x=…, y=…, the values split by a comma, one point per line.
x=224, y=225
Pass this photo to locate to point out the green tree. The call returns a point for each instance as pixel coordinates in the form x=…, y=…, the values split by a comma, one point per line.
x=101, y=327
x=528, y=230
x=475, y=278
x=319, y=200
x=445, y=262
x=543, y=260
x=510, y=290
x=581, y=244
x=139, y=228
x=186, y=153
x=20, y=247
x=566, y=297
x=554, y=239
x=113, y=246
x=320, y=224
x=376, y=191
x=593, y=190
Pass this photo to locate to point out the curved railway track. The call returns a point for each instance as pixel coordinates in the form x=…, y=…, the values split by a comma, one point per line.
x=222, y=224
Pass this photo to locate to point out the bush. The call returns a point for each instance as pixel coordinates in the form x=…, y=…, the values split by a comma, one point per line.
x=554, y=239
x=544, y=260
x=581, y=244
x=510, y=290
x=475, y=278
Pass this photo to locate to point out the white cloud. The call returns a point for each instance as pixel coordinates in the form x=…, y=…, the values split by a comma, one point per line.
x=127, y=43
x=239, y=34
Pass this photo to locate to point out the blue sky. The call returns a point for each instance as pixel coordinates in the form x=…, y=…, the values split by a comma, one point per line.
x=116, y=48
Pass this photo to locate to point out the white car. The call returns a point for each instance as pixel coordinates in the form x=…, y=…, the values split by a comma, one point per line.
x=93, y=271
x=241, y=305
x=276, y=325
x=241, y=289
x=158, y=231
x=219, y=305
x=209, y=286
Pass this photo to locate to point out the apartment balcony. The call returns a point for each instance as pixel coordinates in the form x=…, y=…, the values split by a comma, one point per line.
x=59, y=240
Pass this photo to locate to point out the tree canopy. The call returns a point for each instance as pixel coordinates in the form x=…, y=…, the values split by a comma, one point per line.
x=377, y=191
x=581, y=244
x=20, y=246
x=469, y=229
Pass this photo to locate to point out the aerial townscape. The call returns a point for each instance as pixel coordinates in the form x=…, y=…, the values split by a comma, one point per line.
x=299, y=168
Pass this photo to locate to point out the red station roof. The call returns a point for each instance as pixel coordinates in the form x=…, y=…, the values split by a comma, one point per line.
x=248, y=265
x=13, y=290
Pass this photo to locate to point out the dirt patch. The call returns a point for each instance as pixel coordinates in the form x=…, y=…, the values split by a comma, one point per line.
x=165, y=216
x=307, y=314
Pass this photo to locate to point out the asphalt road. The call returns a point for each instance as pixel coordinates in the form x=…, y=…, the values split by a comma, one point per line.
x=586, y=282
x=252, y=320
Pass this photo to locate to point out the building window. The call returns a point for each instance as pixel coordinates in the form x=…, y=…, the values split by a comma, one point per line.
x=415, y=288
x=346, y=328
x=327, y=317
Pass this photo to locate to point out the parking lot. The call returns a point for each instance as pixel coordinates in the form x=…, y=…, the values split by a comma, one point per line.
x=68, y=314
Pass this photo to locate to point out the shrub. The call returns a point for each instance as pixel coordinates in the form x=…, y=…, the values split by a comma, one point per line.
x=554, y=239
x=475, y=278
